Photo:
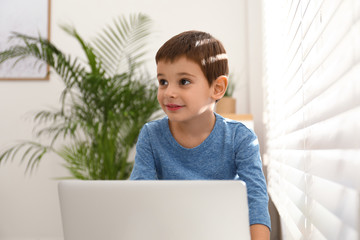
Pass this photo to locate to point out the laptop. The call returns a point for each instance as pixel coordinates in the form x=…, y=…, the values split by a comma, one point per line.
x=154, y=210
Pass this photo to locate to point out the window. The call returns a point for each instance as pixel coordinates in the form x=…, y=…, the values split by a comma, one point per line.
x=312, y=116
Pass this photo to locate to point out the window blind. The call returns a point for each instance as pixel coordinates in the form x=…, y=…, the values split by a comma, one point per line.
x=312, y=116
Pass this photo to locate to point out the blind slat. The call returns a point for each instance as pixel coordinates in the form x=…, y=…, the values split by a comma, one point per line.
x=290, y=226
x=346, y=94
x=292, y=158
x=294, y=176
x=333, y=68
x=322, y=219
x=337, y=199
x=338, y=166
x=314, y=34
x=294, y=140
x=294, y=86
x=316, y=235
x=309, y=13
x=335, y=133
x=338, y=60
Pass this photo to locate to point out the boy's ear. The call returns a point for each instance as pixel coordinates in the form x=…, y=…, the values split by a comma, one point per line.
x=219, y=87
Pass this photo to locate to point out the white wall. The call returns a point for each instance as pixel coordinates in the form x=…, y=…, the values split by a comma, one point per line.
x=29, y=207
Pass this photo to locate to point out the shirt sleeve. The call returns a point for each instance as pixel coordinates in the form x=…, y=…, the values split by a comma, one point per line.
x=144, y=166
x=249, y=170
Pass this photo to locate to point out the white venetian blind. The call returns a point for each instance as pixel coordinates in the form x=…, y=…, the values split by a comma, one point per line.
x=312, y=116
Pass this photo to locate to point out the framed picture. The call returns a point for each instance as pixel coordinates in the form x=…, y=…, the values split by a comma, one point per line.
x=30, y=18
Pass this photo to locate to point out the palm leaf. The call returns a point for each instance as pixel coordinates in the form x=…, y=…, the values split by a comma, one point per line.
x=89, y=52
x=45, y=52
x=74, y=157
x=33, y=153
x=121, y=41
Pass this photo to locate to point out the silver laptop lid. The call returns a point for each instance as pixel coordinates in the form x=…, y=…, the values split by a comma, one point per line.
x=154, y=210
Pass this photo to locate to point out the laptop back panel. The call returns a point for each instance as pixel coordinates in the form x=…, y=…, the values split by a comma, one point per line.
x=154, y=210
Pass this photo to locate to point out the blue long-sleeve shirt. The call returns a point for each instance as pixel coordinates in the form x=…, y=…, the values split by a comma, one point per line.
x=231, y=151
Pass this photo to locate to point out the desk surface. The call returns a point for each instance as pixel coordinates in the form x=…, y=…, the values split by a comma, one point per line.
x=238, y=117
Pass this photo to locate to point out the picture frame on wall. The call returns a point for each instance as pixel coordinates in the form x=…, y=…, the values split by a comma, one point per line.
x=30, y=18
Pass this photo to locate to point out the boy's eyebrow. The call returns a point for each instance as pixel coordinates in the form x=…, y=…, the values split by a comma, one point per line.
x=179, y=74
x=186, y=74
x=160, y=75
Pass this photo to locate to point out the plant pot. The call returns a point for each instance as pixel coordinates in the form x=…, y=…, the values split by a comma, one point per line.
x=226, y=105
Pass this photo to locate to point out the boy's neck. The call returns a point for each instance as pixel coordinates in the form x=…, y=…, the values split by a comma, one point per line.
x=193, y=132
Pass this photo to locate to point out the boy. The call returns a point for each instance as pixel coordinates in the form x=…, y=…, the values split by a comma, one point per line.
x=193, y=142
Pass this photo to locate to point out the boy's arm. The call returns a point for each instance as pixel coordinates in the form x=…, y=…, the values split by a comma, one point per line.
x=259, y=232
x=249, y=170
x=144, y=166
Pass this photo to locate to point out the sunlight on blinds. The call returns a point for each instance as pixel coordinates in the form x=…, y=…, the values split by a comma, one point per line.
x=312, y=116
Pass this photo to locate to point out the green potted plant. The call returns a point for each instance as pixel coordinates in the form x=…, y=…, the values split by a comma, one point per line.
x=104, y=103
x=227, y=103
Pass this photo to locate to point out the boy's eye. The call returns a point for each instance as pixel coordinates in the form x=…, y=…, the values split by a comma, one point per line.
x=163, y=82
x=184, y=82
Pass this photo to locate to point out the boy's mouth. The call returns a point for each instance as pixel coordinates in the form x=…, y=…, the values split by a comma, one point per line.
x=173, y=107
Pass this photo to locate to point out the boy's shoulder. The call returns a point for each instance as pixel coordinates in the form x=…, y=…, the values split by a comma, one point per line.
x=231, y=123
x=234, y=128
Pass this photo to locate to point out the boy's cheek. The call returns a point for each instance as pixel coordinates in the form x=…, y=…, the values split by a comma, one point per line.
x=159, y=99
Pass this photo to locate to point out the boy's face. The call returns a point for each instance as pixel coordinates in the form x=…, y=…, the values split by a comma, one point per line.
x=184, y=92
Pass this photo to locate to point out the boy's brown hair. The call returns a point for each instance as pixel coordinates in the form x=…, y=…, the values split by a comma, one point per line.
x=200, y=47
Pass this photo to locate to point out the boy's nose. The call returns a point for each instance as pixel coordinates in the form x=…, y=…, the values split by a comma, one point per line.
x=170, y=92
